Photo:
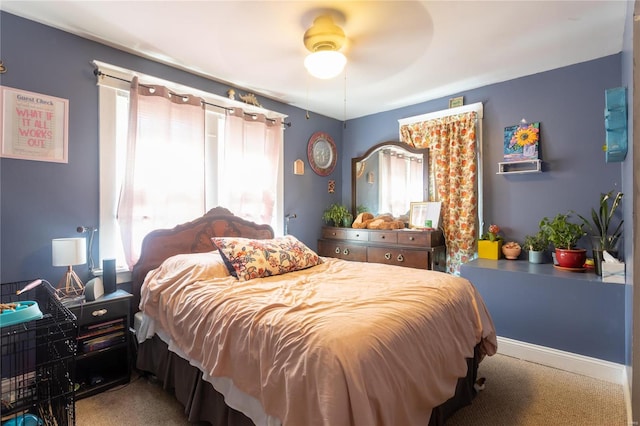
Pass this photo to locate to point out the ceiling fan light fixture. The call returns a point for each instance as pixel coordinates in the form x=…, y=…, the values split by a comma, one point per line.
x=325, y=64
x=324, y=40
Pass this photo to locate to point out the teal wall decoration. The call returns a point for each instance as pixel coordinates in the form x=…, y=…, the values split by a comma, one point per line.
x=615, y=123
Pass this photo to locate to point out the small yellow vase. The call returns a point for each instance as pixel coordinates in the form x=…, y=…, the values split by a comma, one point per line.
x=489, y=249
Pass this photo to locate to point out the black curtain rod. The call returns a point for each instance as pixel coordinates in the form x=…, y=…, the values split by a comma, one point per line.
x=99, y=73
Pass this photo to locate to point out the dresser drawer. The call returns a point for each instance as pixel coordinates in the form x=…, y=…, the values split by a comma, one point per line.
x=345, y=234
x=98, y=312
x=400, y=257
x=387, y=237
x=421, y=238
x=342, y=250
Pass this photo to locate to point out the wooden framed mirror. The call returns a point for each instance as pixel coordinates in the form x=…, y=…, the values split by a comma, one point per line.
x=388, y=177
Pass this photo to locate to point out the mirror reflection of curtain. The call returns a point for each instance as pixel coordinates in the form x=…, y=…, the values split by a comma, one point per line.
x=453, y=177
x=400, y=182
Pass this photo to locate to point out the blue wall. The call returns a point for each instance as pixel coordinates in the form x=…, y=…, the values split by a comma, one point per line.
x=568, y=103
x=40, y=201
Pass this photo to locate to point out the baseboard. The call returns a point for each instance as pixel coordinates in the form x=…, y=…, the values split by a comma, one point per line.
x=567, y=361
x=626, y=388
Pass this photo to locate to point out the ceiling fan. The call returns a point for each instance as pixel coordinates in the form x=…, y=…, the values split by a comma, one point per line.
x=324, y=39
x=360, y=38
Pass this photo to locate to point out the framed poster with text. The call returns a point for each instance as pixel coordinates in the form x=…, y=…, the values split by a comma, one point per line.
x=34, y=126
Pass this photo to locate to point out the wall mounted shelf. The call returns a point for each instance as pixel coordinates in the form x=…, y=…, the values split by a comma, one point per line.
x=519, y=167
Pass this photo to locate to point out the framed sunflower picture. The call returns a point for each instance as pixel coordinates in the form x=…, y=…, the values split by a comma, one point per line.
x=521, y=141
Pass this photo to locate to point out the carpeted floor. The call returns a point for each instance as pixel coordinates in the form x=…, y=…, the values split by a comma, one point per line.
x=526, y=394
x=141, y=402
x=516, y=393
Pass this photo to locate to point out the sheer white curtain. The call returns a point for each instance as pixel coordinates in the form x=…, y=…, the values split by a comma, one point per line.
x=415, y=187
x=400, y=182
x=251, y=166
x=164, y=175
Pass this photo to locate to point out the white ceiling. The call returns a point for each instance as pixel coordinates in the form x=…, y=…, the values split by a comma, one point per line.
x=399, y=52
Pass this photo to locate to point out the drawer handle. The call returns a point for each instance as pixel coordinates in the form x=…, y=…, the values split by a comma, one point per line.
x=387, y=256
x=382, y=236
x=357, y=235
x=400, y=258
x=99, y=312
x=337, y=250
x=333, y=233
x=411, y=238
x=345, y=252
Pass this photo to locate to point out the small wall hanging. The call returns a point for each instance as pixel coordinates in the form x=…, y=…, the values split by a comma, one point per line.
x=34, y=126
x=322, y=153
x=521, y=141
x=456, y=102
x=615, y=123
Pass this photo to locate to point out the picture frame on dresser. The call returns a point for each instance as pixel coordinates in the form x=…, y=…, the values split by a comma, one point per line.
x=424, y=215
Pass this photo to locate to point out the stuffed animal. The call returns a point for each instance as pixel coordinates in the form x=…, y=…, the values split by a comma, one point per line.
x=385, y=221
x=361, y=220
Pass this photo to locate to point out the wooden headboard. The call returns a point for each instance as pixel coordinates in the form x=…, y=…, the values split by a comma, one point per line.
x=190, y=237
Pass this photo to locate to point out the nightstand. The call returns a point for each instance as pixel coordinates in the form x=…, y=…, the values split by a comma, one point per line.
x=103, y=358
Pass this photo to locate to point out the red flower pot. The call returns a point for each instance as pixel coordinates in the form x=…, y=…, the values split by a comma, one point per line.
x=571, y=258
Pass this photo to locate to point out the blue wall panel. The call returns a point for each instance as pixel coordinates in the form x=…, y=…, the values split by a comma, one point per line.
x=535, y=303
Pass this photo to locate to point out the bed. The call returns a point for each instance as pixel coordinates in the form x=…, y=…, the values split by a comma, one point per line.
x=311, y=340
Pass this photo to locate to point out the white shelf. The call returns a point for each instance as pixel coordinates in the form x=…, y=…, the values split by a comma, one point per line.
x=519, y=167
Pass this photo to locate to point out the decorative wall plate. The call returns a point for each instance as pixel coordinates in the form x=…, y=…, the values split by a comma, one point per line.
x=322, y=153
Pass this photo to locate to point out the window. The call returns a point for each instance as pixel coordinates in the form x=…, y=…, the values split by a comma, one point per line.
x=114, y=116
x=454, y=140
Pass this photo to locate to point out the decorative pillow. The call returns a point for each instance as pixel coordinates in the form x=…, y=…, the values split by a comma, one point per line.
x=247, y=258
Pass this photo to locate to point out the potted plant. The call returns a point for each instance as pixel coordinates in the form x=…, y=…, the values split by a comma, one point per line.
x=564, y=236
x=511, y=250
x=336, y=214
x=536, y=244
x=347, y=220
x=490, y=244
x=604, y=235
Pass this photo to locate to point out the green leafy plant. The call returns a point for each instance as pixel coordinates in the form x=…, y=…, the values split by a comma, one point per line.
x=336, y=214
x=562, y=233
x=601, y=222
x=536, y=242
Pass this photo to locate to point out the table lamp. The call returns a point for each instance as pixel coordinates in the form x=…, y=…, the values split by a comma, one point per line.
x=68, y=252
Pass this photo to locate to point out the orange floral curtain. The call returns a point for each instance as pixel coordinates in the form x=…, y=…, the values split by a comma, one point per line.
x=452, y=178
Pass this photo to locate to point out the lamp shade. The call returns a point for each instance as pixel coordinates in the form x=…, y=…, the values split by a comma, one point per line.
x=69, y=251
x=325, y=64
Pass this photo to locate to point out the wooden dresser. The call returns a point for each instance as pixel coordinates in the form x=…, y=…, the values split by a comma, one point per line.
x=413, y=249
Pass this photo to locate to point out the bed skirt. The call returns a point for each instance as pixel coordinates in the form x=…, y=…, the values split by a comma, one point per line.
x=203, y=403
